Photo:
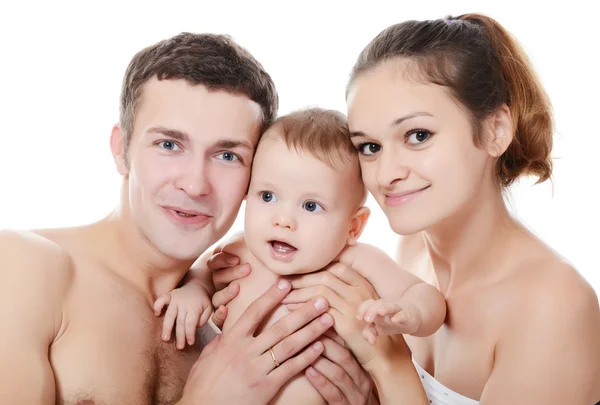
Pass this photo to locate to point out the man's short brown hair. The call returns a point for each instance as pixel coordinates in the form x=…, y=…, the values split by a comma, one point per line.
x=212, y=60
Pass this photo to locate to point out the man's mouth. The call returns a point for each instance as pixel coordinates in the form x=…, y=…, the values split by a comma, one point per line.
x=185, y=214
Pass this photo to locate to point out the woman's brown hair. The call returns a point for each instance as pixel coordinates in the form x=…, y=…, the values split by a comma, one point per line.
x=484, y=67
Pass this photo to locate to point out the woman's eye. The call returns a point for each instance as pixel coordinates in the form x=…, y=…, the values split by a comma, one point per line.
x=369, y=148
x=418, y=136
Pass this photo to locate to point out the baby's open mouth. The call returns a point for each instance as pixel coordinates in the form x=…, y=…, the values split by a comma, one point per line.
x=282, y=247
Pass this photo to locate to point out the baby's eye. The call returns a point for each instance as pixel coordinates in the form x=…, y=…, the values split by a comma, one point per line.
x=312, y=206
x=267, y=196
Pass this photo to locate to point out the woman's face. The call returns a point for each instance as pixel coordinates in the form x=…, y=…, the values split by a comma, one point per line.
x=416, y=148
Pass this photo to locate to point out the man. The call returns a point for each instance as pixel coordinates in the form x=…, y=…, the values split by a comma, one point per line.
x=78, y=326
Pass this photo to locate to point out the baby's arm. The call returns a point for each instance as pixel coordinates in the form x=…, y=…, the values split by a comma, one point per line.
x=408, y=305
x=189, y=306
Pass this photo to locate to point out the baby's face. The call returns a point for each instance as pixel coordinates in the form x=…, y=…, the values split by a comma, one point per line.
x=299, y=210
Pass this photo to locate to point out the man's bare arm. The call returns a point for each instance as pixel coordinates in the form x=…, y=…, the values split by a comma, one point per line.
x=34, y=278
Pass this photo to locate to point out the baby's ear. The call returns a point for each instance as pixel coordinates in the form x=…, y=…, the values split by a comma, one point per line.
x=357, y=225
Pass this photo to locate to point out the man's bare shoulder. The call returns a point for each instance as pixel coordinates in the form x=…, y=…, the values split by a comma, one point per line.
x=30, y=262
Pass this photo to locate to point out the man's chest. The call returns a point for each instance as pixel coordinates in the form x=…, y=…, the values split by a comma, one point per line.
x=111, y=353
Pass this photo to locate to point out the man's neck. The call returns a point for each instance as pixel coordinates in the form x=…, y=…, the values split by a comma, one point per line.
x=128, y=253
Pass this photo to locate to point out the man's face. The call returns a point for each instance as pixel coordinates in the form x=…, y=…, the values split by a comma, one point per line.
x=189, y=164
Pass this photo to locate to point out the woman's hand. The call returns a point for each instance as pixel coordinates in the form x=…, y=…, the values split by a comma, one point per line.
x=345, y=290
x=338, y=377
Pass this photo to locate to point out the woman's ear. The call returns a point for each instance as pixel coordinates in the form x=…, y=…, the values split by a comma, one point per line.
x=499, y=131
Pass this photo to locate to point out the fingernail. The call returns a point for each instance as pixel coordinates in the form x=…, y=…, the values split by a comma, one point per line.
x=326, y=319
x=311, y=372
x=317, y=346
x=320, y=304
x=231, y=287
x=244, y=269
x=283, y=285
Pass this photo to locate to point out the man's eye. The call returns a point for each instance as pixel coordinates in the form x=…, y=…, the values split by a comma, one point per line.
x=228, y=156
x=168, y=145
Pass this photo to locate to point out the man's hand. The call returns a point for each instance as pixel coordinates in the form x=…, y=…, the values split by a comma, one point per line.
x=240, y=368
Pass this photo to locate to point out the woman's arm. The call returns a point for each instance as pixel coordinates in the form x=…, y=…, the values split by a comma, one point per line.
x=388, y=361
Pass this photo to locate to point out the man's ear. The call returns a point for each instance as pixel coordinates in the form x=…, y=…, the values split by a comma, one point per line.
x=357, y=225
x=117, y=147
x=499, y=131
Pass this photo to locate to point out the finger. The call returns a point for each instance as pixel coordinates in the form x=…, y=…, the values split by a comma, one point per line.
x=337, y=376
x=221, y=260
x=259, y=309
x=388, y=308
x=308, y=293
x=346, y=273
x=291, y=345
x=225, y=296
x=292, y=325
x=282, y=374
x=205, y=316
x=163, y=300
x=219, y=316
x=344, y=359
x=330, y=393
x=324, y=278
x=372, y=311
x=180, y=328
x=362, y=308
x=192, y=319
x=401, y=318
x=168, y=322
x=369, y=333
x=224, y=276
x=333, y=335
x=292, y=307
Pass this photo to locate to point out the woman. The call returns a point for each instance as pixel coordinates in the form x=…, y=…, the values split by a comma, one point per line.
x=447, y=114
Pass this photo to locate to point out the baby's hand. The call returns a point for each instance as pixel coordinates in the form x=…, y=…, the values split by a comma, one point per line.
x=388, y=318
x=190, y=305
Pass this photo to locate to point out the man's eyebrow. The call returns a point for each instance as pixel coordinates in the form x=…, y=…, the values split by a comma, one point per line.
x=171, y=133
x=396, y=122
x=232, y=144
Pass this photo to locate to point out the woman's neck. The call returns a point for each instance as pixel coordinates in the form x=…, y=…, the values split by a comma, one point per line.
x=470, y=245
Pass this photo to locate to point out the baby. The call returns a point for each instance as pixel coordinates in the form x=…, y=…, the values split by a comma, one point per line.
x=304, y=210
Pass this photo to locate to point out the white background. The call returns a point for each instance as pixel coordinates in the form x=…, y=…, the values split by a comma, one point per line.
x=61, y=67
